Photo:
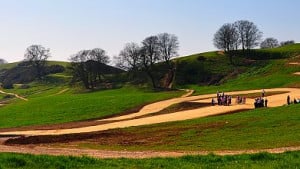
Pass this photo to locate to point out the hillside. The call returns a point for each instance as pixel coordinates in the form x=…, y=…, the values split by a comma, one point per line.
x=211, y=71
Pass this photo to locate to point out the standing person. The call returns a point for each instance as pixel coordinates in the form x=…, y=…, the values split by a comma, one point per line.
x=212, y=101
x=266, y=102
x=244, y=100
x=263, y=93
x=288, y=100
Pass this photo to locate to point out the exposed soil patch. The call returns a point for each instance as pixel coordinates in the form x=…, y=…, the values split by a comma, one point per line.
x=179, y=107
x=294, y=63
x=115, y=136
x=297, y=73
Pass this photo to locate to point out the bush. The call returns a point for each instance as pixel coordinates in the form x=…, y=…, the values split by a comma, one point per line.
x=201, y=58
x=54, y=69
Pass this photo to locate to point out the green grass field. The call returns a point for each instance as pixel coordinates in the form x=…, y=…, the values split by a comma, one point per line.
x=261, y=160
x=49, y=108
x=255, y=129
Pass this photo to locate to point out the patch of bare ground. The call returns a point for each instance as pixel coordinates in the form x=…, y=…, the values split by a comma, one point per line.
x=297, y=73
x=38, y=150
x=115, y=137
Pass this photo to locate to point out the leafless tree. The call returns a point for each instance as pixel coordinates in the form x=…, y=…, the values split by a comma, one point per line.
x=129, y=57
x=98, y=55
x=79, y=68
x=269, y=43
x=168, y=47
x=249, y=34
x=227, y=39
x=150, y=55
x=89, y=67
x=37, y=56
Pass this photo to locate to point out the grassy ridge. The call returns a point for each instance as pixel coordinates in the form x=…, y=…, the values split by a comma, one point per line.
x=261, y=160
x=11, y=65
x=66, y=107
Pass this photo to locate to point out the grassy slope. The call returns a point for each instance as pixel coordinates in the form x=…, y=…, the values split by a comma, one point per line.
x=276, y=74
x=257, y=75
x=262, y=160
x=49, y=108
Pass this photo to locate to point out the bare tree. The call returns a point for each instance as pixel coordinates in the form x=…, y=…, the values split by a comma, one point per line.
x=130, y=57
x=2, y=61
x=227, y=39
x=98, y=55
x=249, y=34
x=89, y=67
x=168, y=46
x=149, y=56
x=37, y=56
x=269, y=43
x=79, y=68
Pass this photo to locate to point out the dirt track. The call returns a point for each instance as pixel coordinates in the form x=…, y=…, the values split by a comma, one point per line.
x=274, y=100
x=13, y=94
x=38, y=150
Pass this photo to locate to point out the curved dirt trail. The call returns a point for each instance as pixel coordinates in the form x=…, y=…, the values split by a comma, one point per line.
x=274, y=100
x=38, y=150
x=13, y=94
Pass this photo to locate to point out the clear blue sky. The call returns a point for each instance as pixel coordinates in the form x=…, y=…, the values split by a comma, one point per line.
x=67, y=26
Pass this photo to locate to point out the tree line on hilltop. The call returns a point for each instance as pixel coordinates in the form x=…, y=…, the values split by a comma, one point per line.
x=243, y=35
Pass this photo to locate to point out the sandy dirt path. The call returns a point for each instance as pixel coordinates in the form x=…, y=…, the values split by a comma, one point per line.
x=274, y=100
x=297, y=73
x=39, y=150
x=294, y=63
x=13, y=94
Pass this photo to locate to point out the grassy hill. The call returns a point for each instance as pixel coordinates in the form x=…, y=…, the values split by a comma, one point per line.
x=246, y=73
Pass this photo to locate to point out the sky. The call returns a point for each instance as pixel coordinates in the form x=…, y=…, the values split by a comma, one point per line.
x=68, y=26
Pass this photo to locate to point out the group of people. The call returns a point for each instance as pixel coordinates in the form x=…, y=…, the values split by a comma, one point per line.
x=222, y=99
x=226, y=100
x=260, y=102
